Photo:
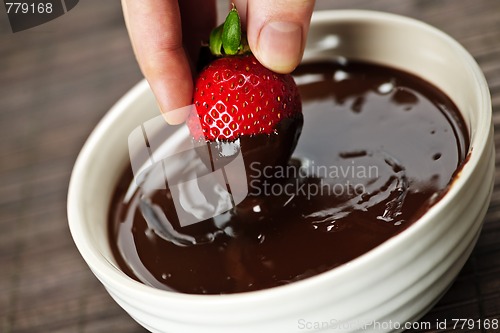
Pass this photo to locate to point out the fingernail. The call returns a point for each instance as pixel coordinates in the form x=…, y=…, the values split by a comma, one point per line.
x=280, y=46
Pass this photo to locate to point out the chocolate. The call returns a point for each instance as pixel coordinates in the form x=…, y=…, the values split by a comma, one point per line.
x=379, y=146
x=272, y=150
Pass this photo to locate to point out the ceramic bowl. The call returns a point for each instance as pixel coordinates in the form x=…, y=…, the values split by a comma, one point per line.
x=390, y=286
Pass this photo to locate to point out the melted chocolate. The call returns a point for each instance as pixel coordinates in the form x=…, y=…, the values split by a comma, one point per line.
x=378, y=148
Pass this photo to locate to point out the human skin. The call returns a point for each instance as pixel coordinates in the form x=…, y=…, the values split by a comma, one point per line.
x=166, y=36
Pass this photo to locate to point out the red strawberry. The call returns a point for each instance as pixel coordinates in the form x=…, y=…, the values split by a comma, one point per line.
x=237, y=96
x=241, y=106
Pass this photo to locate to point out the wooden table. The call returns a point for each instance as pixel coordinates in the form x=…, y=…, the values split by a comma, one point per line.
x=58, y=80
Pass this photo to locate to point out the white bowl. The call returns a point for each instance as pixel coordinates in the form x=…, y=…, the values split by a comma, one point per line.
x=395, y=283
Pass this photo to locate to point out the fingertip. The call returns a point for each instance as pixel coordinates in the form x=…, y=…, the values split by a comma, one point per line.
x=277, y=31
x=176, y=116
x=280, y=46
x=173, y=95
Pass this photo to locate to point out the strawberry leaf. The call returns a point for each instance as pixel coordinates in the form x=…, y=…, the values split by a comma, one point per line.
x=231, y=33
x=215, y=41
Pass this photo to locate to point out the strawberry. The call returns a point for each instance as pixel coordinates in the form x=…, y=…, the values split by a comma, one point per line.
x=241, y=106
x=235, y=96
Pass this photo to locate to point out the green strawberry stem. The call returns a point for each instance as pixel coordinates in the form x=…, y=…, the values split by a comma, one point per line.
x=231, y=32
x=227, y=38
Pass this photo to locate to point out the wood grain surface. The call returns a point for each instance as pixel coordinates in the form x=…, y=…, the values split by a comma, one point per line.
x=59, y=79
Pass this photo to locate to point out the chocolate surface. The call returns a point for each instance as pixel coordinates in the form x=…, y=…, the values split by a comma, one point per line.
x=378, y=148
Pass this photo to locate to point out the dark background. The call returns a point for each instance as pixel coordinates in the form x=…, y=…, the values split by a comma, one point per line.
x=58, y=80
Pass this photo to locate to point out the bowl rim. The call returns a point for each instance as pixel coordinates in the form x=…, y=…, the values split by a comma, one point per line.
x=102, y=267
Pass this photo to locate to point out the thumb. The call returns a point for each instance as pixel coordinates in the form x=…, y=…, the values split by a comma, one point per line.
x=277, y=31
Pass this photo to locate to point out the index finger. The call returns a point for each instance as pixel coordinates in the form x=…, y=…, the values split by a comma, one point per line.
x=155, y=31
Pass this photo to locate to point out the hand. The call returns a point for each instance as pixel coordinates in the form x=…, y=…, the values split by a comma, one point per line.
x=165, y=47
